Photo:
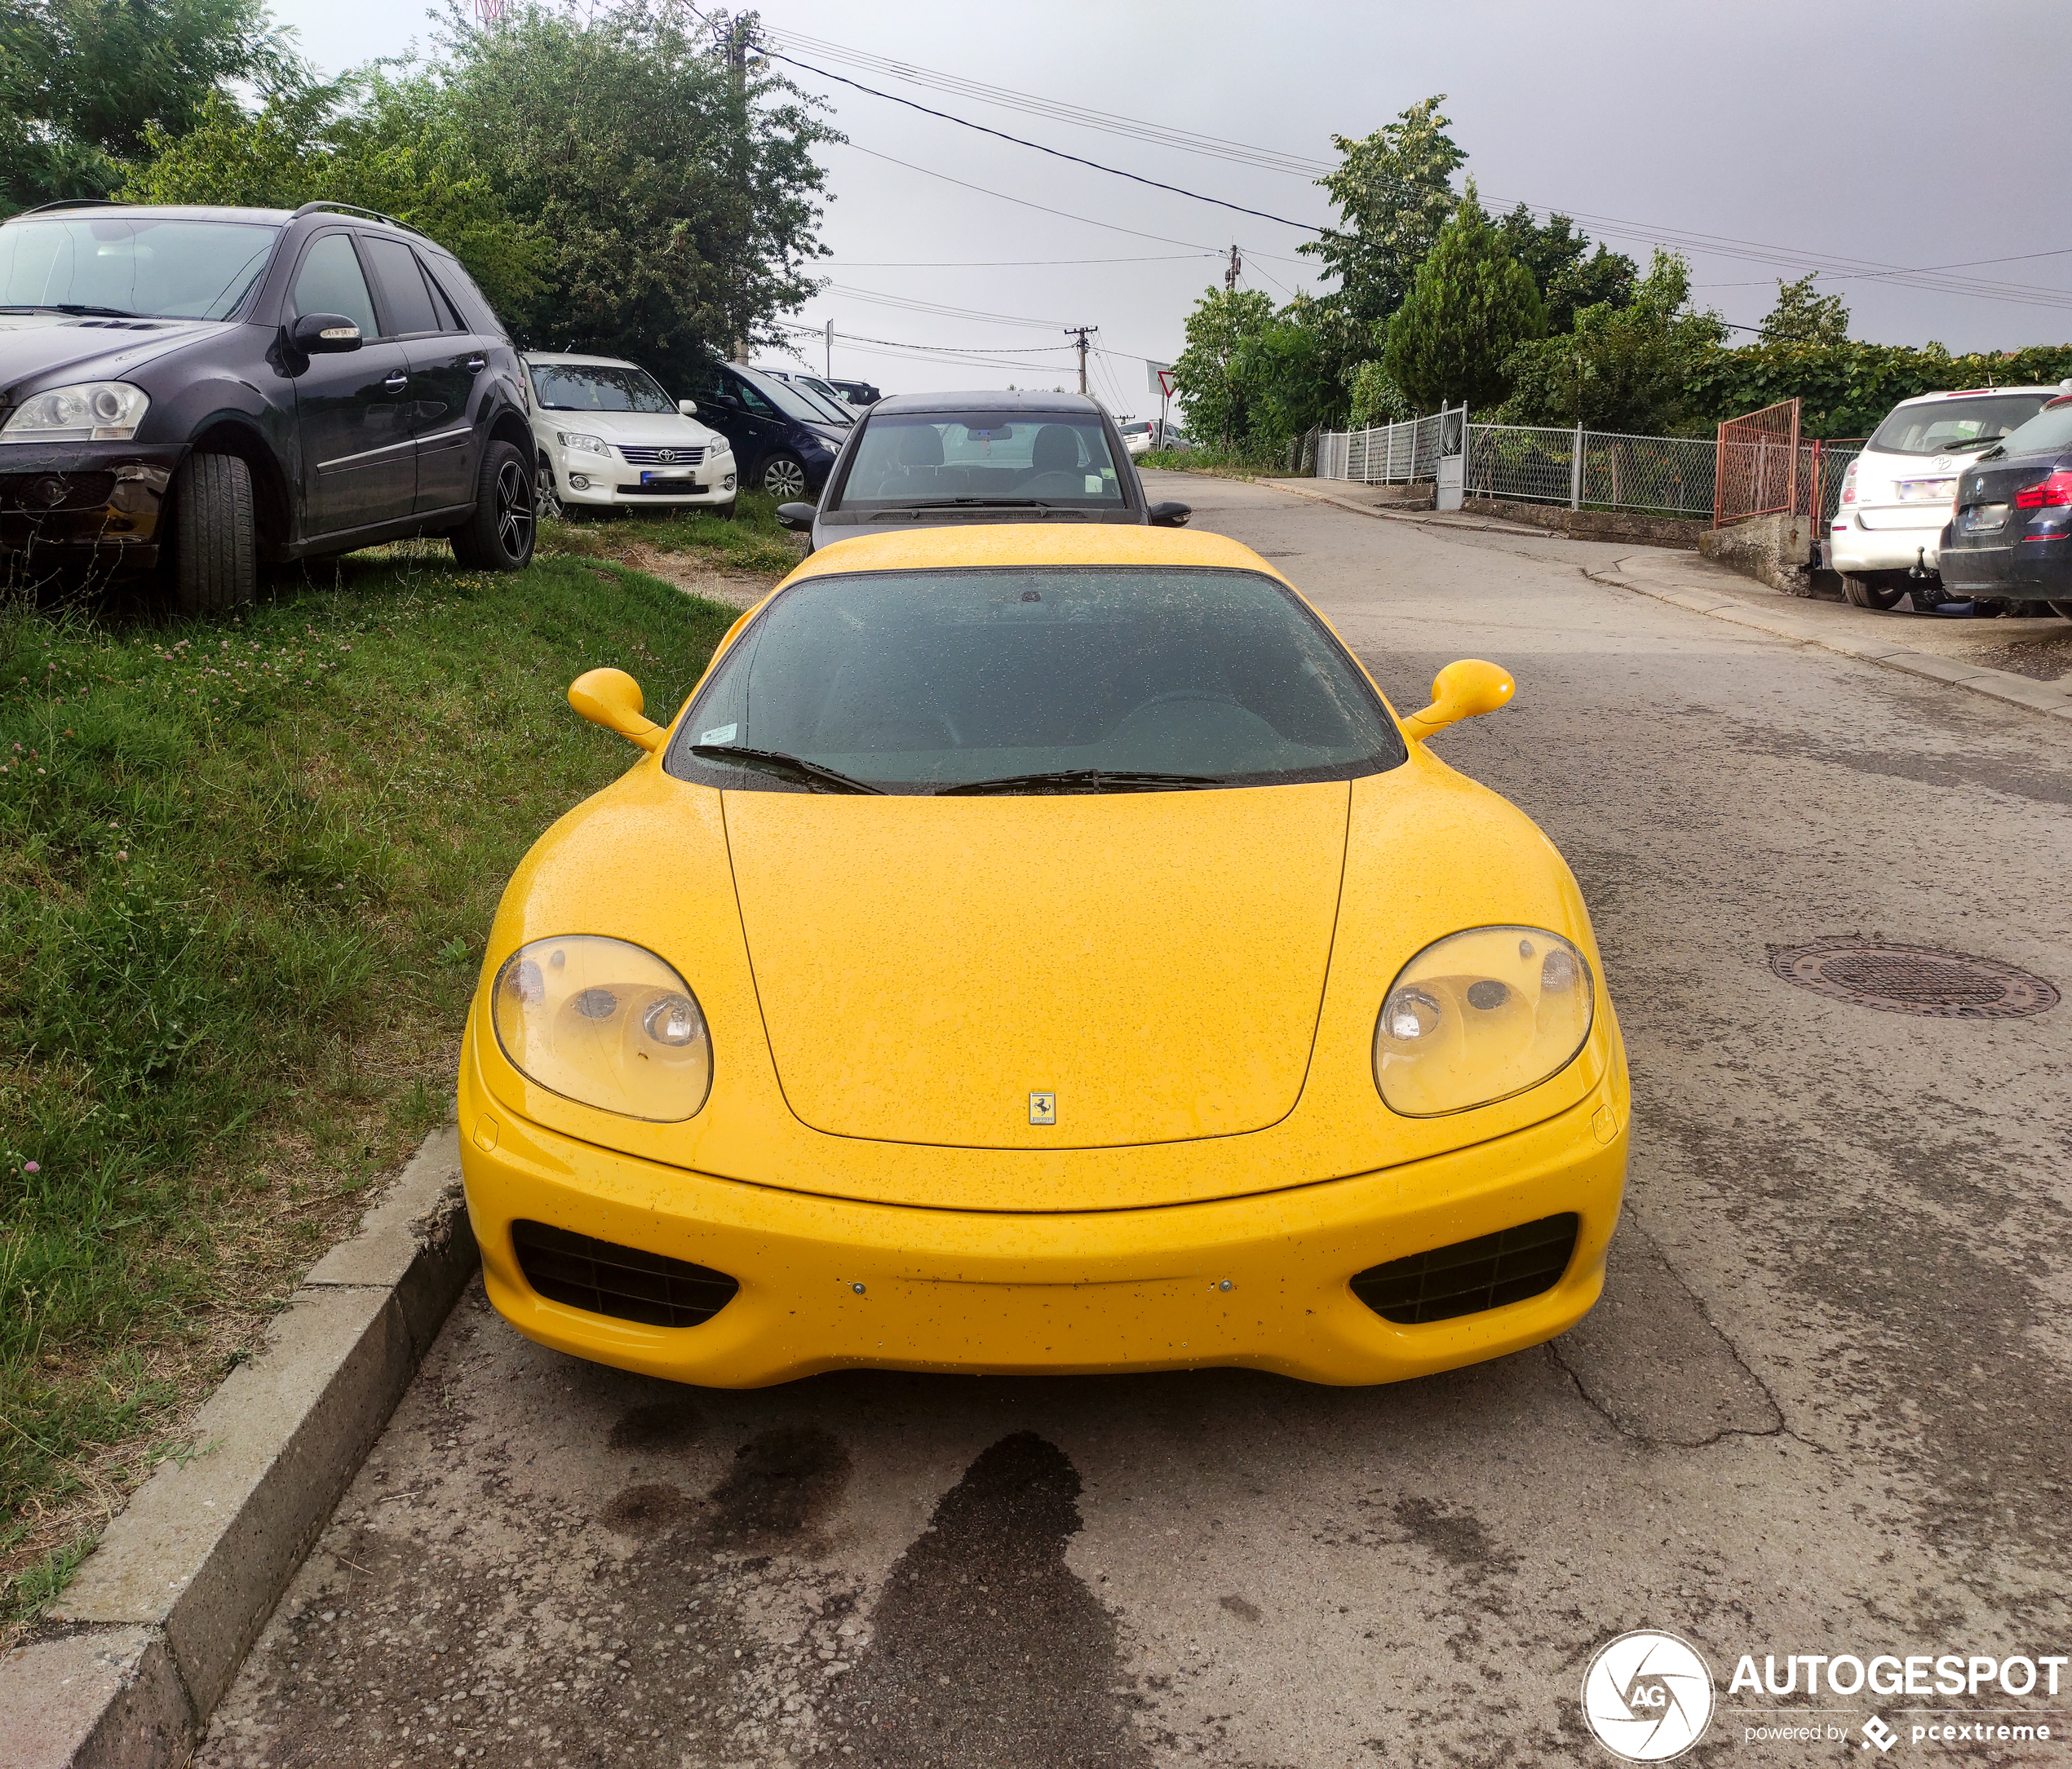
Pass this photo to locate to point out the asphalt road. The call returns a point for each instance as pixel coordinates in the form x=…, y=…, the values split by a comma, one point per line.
x=1823, y=1408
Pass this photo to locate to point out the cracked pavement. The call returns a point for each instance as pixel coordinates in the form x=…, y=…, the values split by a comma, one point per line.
x=1822, y=1409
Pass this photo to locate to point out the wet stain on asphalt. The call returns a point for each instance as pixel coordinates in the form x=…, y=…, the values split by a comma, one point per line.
x=782, y=1482
x=660, y=1426
x=1455, y=1535
x=987, y=1649
x=641, y=1510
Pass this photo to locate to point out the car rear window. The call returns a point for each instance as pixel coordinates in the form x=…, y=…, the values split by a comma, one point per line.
x=2049, y=431
x=914, y=459
x=1937, y=426
x=924, y=681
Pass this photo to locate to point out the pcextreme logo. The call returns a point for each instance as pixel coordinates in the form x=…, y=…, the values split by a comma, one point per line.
x=1648, y=1696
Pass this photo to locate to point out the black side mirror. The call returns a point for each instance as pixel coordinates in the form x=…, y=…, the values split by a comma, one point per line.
x=1170, y=515
x=319, y=334
x=798, y=518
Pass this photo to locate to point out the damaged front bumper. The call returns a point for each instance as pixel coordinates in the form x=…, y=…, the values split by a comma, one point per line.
x=101, y=505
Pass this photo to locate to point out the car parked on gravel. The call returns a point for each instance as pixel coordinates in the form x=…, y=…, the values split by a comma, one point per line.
x=2010, y=535
x=608, y=436
x=784, y=442
x=1065, y=961
x=202, y=390
x=1885, y=538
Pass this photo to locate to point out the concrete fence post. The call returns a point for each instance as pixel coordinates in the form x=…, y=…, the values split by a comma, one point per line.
x=1575, y=471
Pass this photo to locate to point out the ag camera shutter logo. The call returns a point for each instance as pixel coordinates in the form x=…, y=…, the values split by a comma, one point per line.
x=1648, y=1696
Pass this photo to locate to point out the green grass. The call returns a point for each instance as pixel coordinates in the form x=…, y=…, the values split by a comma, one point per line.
x=247, y=869
x=752, y=541
x=1240, y=461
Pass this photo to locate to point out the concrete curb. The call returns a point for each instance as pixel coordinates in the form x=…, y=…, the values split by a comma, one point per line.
x=1422, y=521
x=2002, y=685
x=135, y=1655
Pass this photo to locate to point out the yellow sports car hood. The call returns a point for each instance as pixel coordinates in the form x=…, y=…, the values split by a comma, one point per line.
x=1152, y=962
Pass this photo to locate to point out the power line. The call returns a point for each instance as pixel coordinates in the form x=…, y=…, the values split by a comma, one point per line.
x=879, y=297
x=961, y=350
x=1109, y=122
x=1004, y=263
x=1066, y=213
x=1114, y=171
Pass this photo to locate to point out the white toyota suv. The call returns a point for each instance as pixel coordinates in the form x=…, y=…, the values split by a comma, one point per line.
x=1896, y=495
x=607, y=435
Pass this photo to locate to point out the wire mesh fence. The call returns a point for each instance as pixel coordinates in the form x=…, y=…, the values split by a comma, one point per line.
x=1388, y=454
x=1766, y=467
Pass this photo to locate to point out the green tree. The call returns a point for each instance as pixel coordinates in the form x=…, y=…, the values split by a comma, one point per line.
x=1471, y=305
x=677, y=193
x=382, y=144
x=1845, y=389
x=82, y=83
x=1393, y=194
x=1217, y=398
x=1802, y=317
x=1631, y=369
x=1285, y=374
x=1376, y=398
x=1567, y=281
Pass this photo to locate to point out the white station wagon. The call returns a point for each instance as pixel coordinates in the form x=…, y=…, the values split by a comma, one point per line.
x=606, y=434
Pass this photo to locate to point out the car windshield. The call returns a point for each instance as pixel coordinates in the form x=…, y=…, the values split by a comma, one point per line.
x=2049, y=431
x=160, y=269
x=919, y=681
x=1944, y=425
x=832, y=410
x=584, y=387
x=931, y=457
x=787, y=398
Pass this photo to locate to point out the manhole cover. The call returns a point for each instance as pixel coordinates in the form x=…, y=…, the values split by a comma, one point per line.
x=1915, y=979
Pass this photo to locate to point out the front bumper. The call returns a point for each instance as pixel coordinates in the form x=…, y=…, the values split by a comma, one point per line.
x=1853, y=548
x=615, y=483
x=830, y=1283
x=99, y=503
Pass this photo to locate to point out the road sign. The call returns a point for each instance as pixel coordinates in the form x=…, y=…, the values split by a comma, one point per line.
x=1160, y=376
x=1168, y=383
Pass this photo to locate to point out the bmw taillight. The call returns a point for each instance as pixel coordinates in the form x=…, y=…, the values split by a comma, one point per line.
x=2046, y=495
x=1849, y=484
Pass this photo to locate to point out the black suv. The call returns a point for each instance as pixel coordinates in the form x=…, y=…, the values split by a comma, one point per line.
x=205, y=389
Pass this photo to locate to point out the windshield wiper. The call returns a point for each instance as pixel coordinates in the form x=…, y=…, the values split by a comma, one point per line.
x=978, y=503
x=1082, y=780
x=791, y=767
x=76, y=309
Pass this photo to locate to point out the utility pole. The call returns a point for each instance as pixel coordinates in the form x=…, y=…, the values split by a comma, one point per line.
x=830, y=349
x=1236, y=269
x=1080, y=333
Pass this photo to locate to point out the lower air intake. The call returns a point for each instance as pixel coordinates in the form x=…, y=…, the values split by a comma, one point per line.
x=1472, y=1275
x=622, y=1282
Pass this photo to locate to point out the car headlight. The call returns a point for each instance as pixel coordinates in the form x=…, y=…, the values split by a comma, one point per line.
x=582, y=444
x=1479, y=1016
x=606, y=1023
x=92, y=411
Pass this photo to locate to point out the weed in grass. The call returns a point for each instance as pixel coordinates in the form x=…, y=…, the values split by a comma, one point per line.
x=245, y=870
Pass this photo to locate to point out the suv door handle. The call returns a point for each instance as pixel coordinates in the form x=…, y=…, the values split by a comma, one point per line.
x=476, y=365
x=397, y=382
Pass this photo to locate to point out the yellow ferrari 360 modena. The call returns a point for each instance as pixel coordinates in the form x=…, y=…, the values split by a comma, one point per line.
x=1041, y=947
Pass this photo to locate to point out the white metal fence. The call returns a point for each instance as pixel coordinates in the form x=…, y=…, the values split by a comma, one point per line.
x=1389, y=454
x=1584, y=469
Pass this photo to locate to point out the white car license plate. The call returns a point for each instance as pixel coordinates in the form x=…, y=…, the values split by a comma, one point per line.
x=1925, y=491
x=1985, y=519
x=675, y=481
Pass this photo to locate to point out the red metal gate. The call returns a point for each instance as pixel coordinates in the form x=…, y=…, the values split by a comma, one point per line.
x=1757, y=472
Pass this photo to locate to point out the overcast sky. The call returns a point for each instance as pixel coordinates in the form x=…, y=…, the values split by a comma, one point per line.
x=1767, y=137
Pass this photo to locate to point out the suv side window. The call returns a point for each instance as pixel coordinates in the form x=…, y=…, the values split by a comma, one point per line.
x=449, y=319
x=750, y=400
x=406, y=299
x=330, y=281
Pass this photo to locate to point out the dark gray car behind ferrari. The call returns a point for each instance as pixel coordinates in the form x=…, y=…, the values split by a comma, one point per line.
x=927, y=460
x=202, y=390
